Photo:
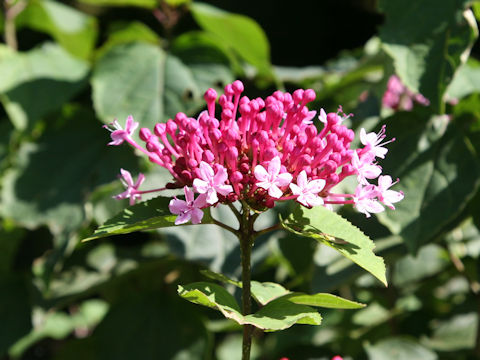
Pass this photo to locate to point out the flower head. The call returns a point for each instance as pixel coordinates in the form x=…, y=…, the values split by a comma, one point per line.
x=261, y=151
x=399, y=97
x=131, y=191
x=388, y=197
x=188, y=209
x=118, y=134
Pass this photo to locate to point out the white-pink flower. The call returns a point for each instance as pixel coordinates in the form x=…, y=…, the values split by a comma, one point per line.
x=365, y=200
x=118, y=134
x=323, y=117
x=307, y=191
x=373, y=142
x=211, y=183
x=272, y=180
x=188, y=209
x=131, y=191
x=388, y=197
x=365, y=168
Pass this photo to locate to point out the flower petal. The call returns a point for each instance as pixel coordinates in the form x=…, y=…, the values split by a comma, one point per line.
x=275, y=192
x=274, y=166
x=200, y=186
x=183, y=218
x=177, y=206
x=196, y=215
x=206, y=171
x=260, y=173
x=189, y=195
x=283, y=179
x=127, y=177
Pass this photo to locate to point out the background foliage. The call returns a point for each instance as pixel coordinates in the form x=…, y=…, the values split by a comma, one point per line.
x=67, y=67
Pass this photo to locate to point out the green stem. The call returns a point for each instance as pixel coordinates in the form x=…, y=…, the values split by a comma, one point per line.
x=11, y=12
x=246, y=237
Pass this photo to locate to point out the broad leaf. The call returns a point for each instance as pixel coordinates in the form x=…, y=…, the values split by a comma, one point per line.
x=50, y=179
x=265, y=292
x=331, y=229
x=466, y=81
x=439, y=172
x=38, y=82
x=149, y=4
x=159, y=84
x=74, y=30
x=147, y=215
x=240, y=33
x=323, y=300
x=278, y=314
x=435, y=38
x=399, y=349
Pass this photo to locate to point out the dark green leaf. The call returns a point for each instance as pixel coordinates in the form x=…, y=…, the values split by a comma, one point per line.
x=399, y=349
x=242, y=34
x=428, y=40
x=331, y=229
x=149, y=4
x=72, y=29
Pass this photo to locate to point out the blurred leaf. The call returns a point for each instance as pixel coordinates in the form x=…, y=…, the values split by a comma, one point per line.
x=398, y=349
x=38, y=82
x=457, y=333
x=142, y=80
x=429, y=260
x=276, y=315
x=10, y=239
x=439, y=172
x=72, y=29
x=466, y=81
x=240, y=33
x=231, y=348
x=50, y=178
x=14, y=310
x=147, y=215
x=372, y=315
x=58, y=325
x=125, y=33
x=149, y=4
x=435, y=38
x=220, y=277
x=332, y=230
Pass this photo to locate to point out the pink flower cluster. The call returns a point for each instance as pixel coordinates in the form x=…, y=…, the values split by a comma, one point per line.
x=399, y=97
x=259, y=152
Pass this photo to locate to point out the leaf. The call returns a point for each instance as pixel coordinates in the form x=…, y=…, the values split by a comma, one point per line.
x=38, y=82
x=76, y=153
x=457, y=333
x=439, y=172
x=322, y=224
x=323, y=300
x=149, y=84
x=147, y=215
x=149, y=4
x=399, y=349
x=265, y=292
x=219, y=277
x=240, y=33
x=466, y=81
x=427, y=41
x=278, y=314
x=72, y=29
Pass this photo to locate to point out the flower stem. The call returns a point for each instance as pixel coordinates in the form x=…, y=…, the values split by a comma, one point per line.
x=246, y=237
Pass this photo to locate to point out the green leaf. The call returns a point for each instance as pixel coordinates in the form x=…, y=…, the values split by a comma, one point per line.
x=457, y=333
x=220, y=277
x=466, y=81
x=240, y=33
x=399, y=349
x=278, y=314
x=281, y=314
x=76, y=152
x=38, y=82
x=332, y=230
x=149, y=4
x=72, y=29
x=439, y=172
x=147, y=215
x=427, y=41
x=149, y=84
x=265, y=292
x=323, y=300
x=213, y=296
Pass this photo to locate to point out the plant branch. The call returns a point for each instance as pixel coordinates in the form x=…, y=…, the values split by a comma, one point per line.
x=11, y=12
x=267, y=230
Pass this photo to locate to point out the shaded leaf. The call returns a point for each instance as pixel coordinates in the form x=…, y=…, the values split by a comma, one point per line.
x=240, y=33
x=332, y=230
x=429, y=48
x=399, y=349
x=265, y=292
x=72, y=29
x=149, y=4
x=38, y=82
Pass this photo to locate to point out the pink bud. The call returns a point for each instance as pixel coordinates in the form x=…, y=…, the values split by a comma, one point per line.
x=210, y=95
x=237, y=86
x=145, y=134
x=309, y=95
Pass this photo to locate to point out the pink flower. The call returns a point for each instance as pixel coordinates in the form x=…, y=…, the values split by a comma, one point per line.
x=365, y=200
x=337, y=357
x=388, y=197
x=323, y=117
x=188, y=209
x=272, y=180
x=118, y=134
x=399, y=97
x=132, y=191
x=307, y=190
x=365, y=168
x=373, y=142
x=210, y=183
